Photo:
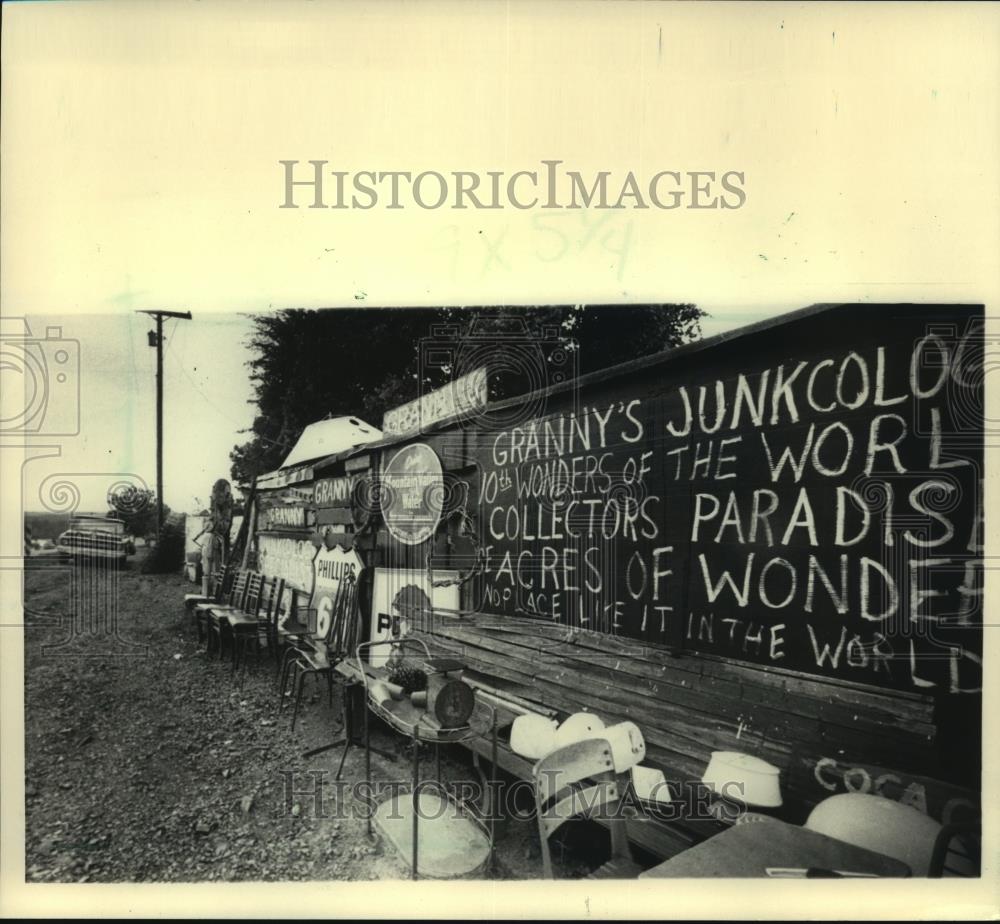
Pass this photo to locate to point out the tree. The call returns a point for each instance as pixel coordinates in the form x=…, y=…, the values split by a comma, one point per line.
x=308, y=364
x=136, y=508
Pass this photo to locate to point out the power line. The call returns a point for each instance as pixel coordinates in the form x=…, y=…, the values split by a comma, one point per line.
x=219, y=410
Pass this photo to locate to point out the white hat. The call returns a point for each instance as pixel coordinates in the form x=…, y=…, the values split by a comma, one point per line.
x=743, y=778
x=627, y=745
x=579, y=727
x=533, y=736
x=649, y=784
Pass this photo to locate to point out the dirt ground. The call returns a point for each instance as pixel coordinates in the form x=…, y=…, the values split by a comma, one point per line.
x=145, y=761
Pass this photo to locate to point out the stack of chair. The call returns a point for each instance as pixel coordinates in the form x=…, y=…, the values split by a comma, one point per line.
x=233, y=595
x=218, y=586
x=255, y=630
x=218, y=616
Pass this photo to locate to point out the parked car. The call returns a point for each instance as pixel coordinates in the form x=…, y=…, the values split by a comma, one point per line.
x=43, y=547
x=95, y=537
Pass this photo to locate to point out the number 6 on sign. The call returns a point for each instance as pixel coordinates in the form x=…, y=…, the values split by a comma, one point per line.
x=330, y=567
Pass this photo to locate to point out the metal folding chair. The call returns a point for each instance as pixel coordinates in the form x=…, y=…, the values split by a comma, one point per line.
x=318, y=654
x=575, y=781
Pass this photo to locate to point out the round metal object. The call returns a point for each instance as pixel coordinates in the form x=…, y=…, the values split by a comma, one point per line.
x=454, y=702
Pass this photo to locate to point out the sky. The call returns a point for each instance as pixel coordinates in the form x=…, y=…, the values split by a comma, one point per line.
x=207, y=403
x=141, y=170
x=206, y=393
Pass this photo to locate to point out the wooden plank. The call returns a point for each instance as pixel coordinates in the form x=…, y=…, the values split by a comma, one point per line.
x=638, y=654
x=661, y=722
x=874, y=700
x=769, y=714
x=693, y=734
x=334, y=516
x=682, y=736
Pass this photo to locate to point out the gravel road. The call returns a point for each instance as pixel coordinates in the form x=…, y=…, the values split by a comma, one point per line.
x=146, y=762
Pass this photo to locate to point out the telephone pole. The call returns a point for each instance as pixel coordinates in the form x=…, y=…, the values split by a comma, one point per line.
x=156, y=339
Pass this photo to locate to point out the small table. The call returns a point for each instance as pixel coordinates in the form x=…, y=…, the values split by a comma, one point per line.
x=748, y=850
x=422, y=727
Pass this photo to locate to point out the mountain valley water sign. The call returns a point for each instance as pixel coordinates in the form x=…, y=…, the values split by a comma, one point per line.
x=413, y=494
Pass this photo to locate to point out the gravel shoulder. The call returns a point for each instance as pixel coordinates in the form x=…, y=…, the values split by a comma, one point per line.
x=146, y=762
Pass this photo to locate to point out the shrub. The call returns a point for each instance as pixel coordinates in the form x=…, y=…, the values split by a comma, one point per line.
x=168, y=554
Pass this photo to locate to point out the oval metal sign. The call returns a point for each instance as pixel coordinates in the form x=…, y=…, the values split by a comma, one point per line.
x=412, y=494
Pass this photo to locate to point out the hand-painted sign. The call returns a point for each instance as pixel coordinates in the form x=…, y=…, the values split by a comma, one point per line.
x=330, y=568
x=286, y=476
x=818, y=507
x=283, y=518
x=412, y=494
x=463, y=396
x=947, y=803
x=289, y=494
x=357, y=463
x=333, y=492
x=290, y=559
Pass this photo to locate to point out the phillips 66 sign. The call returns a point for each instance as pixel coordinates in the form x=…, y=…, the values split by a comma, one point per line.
x=330, y=567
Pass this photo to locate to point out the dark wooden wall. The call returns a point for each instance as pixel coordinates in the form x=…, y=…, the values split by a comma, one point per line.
x=865, y=688
x=852, y=662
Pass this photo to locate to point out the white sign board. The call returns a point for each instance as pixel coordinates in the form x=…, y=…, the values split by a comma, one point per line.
x=330, y=567
x=291, y=559
x=463, y=396
x=396, y=591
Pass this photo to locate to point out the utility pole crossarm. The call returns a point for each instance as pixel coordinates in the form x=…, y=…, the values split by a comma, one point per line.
x=186, y=315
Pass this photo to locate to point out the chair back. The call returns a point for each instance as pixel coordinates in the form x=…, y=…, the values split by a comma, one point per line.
x=320, y=616
x=254, y=594
x=294, y=609
x=957, y=852
x=576, y=781
x=237, y=590
x=268, y=589
x=342, y=637
x=270, y=600
x=272, y=612
x=220, y=582
x=879, y=824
